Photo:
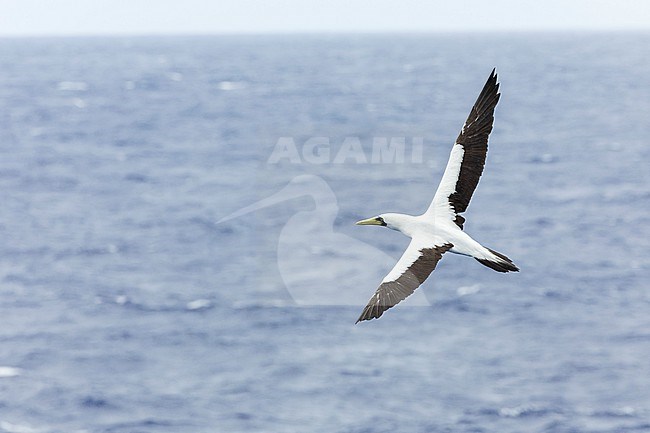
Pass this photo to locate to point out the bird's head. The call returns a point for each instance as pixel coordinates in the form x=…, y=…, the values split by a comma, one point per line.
x=395, y=221
x=374, y=221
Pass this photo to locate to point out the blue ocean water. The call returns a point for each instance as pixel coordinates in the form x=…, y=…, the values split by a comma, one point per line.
x=126, y=307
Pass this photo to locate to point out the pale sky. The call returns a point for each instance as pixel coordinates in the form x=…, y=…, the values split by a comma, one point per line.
x=75, y=17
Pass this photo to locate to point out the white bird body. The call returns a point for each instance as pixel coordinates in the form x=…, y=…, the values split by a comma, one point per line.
x=440, y=228
x=436, y=232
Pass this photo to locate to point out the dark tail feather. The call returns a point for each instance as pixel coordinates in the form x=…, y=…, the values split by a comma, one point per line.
x=503, y=265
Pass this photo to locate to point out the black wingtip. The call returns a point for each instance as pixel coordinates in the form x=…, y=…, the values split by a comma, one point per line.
x=493, y=78
x=362, y=317
x=369, y=313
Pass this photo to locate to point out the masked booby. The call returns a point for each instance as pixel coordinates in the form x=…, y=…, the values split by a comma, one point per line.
x=440, y=228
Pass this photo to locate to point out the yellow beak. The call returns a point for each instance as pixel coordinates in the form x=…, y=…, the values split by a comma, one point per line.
x=374, y=221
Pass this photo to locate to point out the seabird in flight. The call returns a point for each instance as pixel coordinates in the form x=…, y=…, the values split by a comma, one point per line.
x=440, y=228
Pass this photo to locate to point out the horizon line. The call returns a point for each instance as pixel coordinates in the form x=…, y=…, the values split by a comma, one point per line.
x=324, y=32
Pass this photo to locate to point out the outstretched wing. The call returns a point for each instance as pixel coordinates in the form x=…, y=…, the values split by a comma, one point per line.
x=467, y=157
x=415, y=265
